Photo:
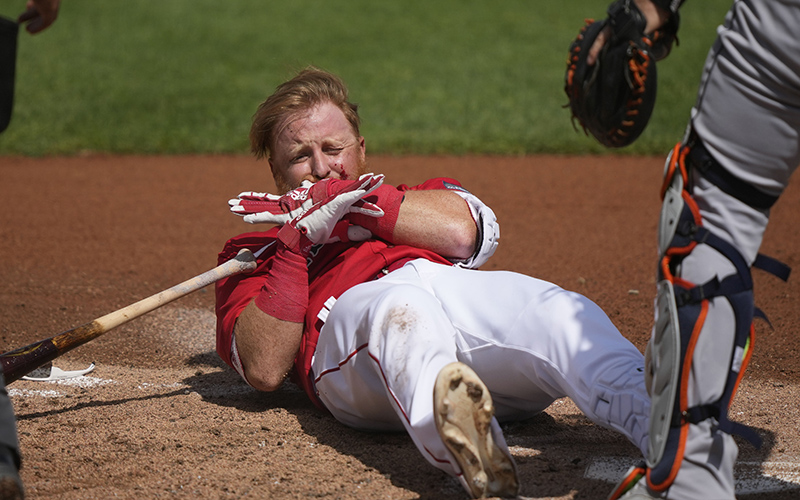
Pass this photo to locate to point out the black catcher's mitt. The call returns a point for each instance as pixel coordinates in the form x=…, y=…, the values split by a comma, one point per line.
x=614, y=98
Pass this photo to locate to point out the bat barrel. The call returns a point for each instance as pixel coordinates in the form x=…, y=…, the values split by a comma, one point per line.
x=19, y=362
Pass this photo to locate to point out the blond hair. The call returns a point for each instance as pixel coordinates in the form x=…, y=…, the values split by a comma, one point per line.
x=310, y=87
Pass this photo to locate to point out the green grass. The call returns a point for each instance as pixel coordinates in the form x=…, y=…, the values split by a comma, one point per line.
x=442, y=77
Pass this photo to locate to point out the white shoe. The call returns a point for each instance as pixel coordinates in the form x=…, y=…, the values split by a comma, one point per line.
x=463, y=414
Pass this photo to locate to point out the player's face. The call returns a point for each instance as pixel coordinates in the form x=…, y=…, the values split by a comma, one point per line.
x=314, y=145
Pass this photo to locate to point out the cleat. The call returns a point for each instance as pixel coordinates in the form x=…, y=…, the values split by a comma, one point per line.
x=463, y=413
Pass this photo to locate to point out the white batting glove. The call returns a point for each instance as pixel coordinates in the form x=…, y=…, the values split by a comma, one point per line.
x=322, y=222
x=257, y=208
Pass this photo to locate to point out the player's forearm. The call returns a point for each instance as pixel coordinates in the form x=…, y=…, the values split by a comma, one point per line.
x=436, y=220
x=267, y=347
x=269, y=331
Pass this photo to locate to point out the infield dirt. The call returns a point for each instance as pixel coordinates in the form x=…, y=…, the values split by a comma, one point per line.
x=162, y=417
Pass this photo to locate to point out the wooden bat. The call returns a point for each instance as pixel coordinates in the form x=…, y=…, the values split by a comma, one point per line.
x=19, y=362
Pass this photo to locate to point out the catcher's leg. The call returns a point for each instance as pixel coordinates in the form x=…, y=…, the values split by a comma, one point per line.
x=703, y=336
x=10, y=483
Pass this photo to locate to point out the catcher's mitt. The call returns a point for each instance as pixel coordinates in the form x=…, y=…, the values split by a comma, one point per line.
x=614, y=98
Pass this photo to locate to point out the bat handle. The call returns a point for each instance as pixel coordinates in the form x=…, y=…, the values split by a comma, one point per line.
x=244, y=262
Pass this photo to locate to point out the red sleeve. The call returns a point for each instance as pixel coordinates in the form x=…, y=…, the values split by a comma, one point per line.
x=437, y=183
x=234, y=293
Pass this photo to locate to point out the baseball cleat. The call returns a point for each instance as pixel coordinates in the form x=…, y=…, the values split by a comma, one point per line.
x=463, y=412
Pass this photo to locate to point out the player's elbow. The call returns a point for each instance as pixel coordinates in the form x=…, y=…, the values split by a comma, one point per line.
x=463, y=240
x=265, y=384
x=264, y=380
x=264, y=371
x=266, y=346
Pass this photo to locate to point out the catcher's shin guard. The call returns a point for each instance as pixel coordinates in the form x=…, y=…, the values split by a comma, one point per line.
x=681, y=311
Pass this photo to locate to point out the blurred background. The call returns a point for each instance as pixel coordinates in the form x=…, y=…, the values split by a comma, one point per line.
x=445, y=77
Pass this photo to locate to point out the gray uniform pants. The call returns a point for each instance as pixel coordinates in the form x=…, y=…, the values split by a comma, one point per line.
x=748, y=116
x=8, y=424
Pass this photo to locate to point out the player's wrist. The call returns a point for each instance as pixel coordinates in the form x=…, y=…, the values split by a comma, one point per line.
x=387, y=198
x=292, y=239
x=656, y=14
x=285, y=292
x=667, y=6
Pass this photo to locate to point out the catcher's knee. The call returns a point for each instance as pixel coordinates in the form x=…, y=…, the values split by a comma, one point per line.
x=681, y=309
x=700, y=160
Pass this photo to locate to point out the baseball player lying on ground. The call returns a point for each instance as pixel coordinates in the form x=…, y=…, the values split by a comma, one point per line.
x=367, y=294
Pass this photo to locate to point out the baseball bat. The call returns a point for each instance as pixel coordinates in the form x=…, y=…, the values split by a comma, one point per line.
x=19, y=362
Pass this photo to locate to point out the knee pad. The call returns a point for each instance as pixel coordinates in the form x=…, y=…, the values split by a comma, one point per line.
x=681, y=308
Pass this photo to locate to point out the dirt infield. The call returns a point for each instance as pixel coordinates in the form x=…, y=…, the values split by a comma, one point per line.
x=162, y=417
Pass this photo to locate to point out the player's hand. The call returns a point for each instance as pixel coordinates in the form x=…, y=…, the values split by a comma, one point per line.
x=256, y=208
x=278, y=209
x=39, y=14
x=656, y=18
x=323, y=221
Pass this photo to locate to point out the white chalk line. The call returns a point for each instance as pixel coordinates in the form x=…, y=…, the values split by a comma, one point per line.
x=751, y=477
x=85, y=382
x=82, y=381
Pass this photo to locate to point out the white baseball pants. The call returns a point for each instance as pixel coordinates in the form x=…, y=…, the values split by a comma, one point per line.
x=530, y=341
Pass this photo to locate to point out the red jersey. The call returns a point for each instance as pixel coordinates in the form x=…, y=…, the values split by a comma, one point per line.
x=332, y=269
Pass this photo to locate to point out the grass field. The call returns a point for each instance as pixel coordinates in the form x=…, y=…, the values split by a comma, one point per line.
x=444, y=77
